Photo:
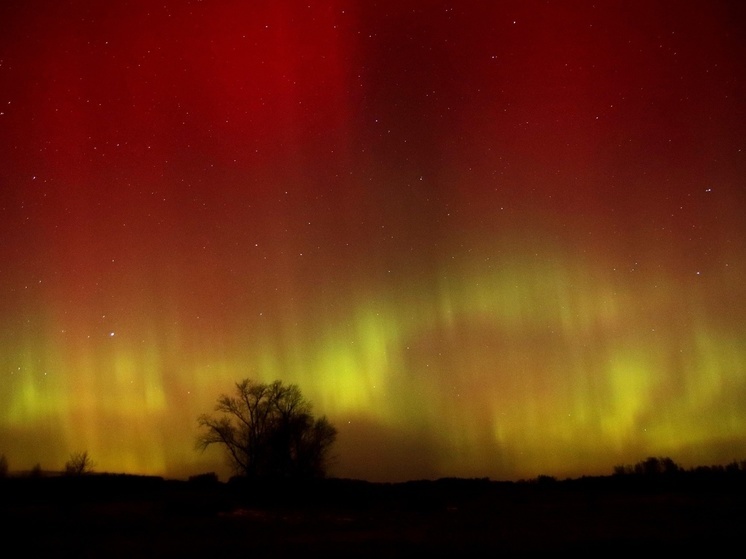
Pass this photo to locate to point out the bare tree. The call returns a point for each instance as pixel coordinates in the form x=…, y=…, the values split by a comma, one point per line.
x=79, y=464
x=268, y=430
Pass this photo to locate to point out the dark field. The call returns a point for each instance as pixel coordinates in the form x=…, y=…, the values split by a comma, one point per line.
x=128, y=516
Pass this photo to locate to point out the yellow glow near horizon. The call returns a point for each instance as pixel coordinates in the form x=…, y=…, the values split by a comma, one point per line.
x=519, y=360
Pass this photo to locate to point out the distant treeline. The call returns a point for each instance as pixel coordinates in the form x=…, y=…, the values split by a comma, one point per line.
x=205, y=494
x=653, y=473
x=654, y=466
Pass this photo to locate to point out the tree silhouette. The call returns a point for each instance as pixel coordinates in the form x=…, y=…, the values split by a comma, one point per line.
x=268, y=430
x=79, y=464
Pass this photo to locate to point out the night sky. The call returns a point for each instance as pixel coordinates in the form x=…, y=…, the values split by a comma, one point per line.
x=492, y=239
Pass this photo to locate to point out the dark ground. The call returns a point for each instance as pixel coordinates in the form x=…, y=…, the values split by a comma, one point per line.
x=129, y=516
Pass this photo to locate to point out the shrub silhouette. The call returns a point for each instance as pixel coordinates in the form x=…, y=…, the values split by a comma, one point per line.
x=268, y=431
x=78, y=464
